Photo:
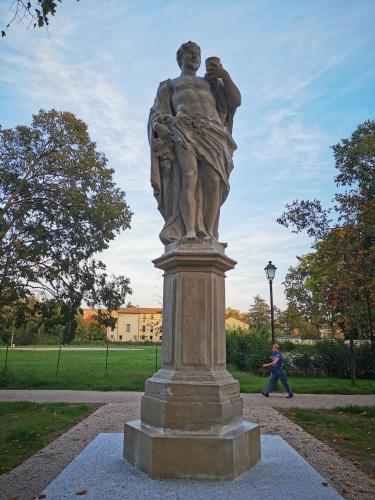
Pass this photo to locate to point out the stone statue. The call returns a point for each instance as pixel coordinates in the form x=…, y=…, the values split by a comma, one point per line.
x=189, y=130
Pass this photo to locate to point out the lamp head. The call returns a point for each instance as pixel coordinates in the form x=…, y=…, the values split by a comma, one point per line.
x=270, y=271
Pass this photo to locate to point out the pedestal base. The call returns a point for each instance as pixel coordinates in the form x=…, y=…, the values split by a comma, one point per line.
x=183, y=455
x=202, y=401
x=191, y=413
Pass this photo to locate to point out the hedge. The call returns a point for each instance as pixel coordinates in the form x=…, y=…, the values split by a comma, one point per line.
x=327, y=357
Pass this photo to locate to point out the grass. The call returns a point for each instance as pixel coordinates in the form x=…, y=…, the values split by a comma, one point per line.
x=128, y=370
x=28, y=427
x=307, y=385
x=349, y=430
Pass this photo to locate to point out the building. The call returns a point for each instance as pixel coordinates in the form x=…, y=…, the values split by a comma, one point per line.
x=144, y=324
x=235, y=323
x=137, y=324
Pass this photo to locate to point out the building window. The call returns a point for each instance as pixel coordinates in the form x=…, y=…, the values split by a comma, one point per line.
x=128, y=327
x=151, y=329
x=143, y=328
x=144, y=316
x=152, y=316
x=112, y=337
x=150, y=337
x=143, y=337
x=120, y=337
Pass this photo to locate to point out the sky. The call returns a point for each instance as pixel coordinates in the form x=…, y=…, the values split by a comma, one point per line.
x=306, y=72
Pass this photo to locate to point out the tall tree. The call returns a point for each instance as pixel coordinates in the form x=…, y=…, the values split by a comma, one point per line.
x=303, y=295
x=235, y=313
x=259, y=314
x=344, y=234
x=59, y=206
x=295, y=322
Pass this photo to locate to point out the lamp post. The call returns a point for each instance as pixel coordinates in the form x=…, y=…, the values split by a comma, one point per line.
x=270, y=273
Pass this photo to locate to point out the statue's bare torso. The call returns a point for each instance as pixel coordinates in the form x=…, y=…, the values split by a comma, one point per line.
x=192, y=96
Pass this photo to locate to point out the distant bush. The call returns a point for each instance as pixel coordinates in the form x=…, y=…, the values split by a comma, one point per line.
x=333, y=357
x=365, y=364
x=287, y=345
x=248, y=350
x=327, y=357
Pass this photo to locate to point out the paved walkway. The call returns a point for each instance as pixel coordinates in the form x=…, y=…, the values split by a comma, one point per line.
x=250, y=400
x=28, y=479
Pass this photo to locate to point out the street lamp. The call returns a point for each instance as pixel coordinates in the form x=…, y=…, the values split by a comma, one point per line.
x=270, y=273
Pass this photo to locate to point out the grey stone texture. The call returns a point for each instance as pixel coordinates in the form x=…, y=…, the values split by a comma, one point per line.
x=100, y=471
x=185, y=455
x=190, y=135
x=192, y=409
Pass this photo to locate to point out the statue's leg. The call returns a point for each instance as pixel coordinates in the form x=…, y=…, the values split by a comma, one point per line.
x=187, y=163
x=211, y=198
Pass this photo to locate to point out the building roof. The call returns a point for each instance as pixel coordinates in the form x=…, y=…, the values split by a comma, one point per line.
x=141, y=310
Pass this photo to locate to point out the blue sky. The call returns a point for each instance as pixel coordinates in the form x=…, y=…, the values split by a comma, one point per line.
x=306, y=72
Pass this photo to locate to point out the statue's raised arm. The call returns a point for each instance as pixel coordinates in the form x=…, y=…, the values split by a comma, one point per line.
x=190, y=129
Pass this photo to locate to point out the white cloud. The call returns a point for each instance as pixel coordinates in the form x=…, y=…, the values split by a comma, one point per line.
x=49, y=75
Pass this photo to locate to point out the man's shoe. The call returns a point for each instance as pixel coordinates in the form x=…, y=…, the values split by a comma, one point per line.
x=290, y=395
x=265, y=395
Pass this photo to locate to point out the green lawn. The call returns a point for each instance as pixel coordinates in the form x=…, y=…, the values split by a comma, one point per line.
x=350, y=431
x=28, y=427
x=128, y=370
x=307, y=385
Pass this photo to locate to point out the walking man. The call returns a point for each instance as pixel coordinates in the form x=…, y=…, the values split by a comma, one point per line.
x=277, y=372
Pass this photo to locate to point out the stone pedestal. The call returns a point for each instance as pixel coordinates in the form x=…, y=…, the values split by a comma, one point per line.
x=191, y=413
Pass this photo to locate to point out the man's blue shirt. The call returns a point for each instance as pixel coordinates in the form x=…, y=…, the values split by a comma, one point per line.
x=277, y=355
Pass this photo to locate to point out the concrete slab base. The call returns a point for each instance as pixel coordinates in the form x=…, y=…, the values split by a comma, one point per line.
x=100, y=472
x=187, y=455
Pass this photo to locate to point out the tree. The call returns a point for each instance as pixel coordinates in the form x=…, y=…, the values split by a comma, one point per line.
x=344, y=234
x=281, y=321
x=58, y=207
x=302, y=294
x=236, y=313
x=87, y=332
x=294, y=321
x=335, y=267
x=37, y=12
x=259, y=314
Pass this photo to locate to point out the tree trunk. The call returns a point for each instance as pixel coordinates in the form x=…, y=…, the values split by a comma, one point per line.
x=352, y=360
x=371, y=328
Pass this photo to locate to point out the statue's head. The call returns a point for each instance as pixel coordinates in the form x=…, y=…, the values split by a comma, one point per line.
x=189, y=54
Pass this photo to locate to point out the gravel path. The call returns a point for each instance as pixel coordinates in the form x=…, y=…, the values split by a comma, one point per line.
x=28, y=479
x=250, y=400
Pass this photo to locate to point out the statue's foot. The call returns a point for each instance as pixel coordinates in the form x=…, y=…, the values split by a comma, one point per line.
x=202, y=235
x=190, y=235
x=209, y=237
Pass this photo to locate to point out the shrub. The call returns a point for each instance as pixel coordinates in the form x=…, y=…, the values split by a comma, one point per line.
x=333, y=357
x=301, y=362
x=364, y=360
x=247, y=350
x=287, y=345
